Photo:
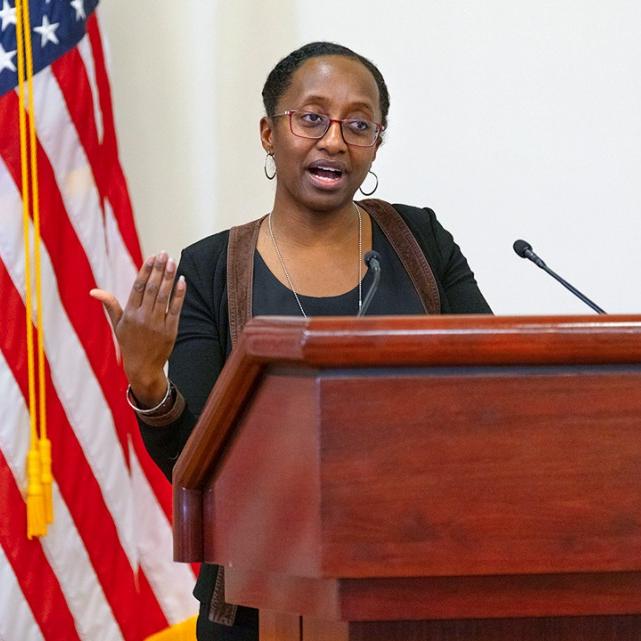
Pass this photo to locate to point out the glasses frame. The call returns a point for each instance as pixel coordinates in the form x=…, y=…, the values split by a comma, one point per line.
x=291, y=112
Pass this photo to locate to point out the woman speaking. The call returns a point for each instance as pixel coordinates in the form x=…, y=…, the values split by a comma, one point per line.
x=326, y=111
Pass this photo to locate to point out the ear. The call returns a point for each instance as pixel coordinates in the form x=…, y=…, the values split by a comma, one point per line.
x=266, y=134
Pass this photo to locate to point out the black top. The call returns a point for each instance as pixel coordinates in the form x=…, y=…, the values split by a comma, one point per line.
x=395, y=294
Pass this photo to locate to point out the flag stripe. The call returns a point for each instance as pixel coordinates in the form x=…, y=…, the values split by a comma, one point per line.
x=118, y=195
x=75, y=479
x=86, y=408
x=62, y=546
x=37, y=581
x=75, y=91
x=154, y=535
x=17, y=622
x=92, y=246
x=88, y=423
x=74, y=274
x=84, y=48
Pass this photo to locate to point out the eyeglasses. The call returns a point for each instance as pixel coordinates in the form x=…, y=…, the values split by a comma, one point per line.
x=356, y=131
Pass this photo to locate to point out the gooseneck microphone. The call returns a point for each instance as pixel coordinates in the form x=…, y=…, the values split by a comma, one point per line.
x=524, y=250
x=373, y=261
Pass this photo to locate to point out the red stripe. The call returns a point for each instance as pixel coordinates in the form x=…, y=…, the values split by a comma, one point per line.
x=115, y=179
x=76, y=481
x=153, y=621
x=37, y=580
x=70, y=72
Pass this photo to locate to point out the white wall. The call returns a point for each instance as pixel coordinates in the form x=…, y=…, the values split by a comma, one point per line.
x=510, y=118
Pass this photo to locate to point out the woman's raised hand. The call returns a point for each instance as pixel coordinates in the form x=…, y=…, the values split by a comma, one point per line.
x=146, y=329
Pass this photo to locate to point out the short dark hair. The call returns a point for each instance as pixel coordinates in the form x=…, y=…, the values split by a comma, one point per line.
x=280, y=77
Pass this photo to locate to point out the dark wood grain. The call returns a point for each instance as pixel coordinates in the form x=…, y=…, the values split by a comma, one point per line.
x=439, y=598
x=510, y=472
x=279, y=626
x=425, y=478
x=378, y=341
x=543, y=629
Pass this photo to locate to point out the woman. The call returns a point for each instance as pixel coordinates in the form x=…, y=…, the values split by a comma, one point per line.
x=326, y=111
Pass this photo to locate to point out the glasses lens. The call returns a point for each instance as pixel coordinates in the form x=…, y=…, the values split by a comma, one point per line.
x=360, y=132
x=309, y=124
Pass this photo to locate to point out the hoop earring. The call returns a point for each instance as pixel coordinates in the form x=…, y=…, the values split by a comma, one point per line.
x=271, y=172
x=369, y=193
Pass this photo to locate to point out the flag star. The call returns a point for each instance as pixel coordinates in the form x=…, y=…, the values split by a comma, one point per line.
x=79, y=6
x=7, y=14
x=5, y=59
x=47, y=31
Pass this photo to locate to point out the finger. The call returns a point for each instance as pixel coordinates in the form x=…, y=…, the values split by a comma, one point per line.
x=110, y=303
x=176, y=305
x=164, y=290
x=152, y=287
x=138, y=288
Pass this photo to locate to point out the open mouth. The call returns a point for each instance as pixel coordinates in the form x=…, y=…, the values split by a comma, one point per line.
x=326, y=176
x=326, y=172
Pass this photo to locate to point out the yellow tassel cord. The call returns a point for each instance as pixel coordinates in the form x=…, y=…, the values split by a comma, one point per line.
x=39, y=477
x=185, y=631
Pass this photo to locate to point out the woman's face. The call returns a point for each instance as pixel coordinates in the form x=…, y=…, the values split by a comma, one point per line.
x=340, y=88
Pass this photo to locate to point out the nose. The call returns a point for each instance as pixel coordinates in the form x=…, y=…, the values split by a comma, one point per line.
x=333, y=140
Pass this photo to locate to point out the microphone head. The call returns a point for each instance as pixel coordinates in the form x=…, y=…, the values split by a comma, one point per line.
x=372, y=256
x=521, y=247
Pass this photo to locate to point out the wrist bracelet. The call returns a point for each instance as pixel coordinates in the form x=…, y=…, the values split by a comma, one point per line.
x=132, y=400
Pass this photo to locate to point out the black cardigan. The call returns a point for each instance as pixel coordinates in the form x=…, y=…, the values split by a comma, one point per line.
x=203, y=341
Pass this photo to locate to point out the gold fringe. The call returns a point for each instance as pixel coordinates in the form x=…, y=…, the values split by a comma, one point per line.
x=36, y=521
x=46, y=478
x=184, y=631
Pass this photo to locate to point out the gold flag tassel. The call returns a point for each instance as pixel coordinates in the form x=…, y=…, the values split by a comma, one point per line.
x=39, y=476
x=183, y=631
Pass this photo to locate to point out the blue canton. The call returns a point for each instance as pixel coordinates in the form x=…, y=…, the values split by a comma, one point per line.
x=56, y=27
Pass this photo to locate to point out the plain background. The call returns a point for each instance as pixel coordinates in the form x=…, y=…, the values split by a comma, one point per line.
x=511, y=118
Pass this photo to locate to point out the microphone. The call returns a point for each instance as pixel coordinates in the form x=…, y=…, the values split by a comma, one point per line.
x=524, y=250
x=373, y=261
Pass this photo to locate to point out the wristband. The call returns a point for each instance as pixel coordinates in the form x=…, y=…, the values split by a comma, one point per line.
x=132, y=401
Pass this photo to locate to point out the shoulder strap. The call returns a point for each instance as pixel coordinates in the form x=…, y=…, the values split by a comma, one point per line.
x=408, y=250
x=240, y=275
x=240, y=263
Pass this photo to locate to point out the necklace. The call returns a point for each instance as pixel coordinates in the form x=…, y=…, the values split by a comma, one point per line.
x=289, y=278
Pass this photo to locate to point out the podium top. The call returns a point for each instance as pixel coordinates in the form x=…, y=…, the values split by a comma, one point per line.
x=397, y=341
x=443, y=340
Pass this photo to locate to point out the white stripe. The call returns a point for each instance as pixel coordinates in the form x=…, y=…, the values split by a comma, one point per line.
x=106, y=49
x=59, y=139
x=73, y=378
x=62, y=546
x=16, y=618
x=171, y=582
x=84, y=48
x=123, y=269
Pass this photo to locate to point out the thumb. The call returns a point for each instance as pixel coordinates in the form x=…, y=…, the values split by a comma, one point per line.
x=110, y=303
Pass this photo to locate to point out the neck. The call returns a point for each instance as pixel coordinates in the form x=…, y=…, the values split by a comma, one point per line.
x=307, y=227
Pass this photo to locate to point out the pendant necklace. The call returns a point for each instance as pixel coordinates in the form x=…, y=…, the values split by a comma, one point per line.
x=288, y=277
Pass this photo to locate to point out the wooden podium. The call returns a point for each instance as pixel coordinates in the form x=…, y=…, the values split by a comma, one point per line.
x=444, y=478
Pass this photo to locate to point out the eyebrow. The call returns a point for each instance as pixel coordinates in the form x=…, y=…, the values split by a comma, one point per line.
x=360, y=104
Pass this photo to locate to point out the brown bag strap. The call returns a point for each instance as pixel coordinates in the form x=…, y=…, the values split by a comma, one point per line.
x=240, y=275
x=408, y=250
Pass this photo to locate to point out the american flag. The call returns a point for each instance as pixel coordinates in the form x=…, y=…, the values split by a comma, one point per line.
x=104, y=569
